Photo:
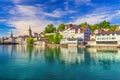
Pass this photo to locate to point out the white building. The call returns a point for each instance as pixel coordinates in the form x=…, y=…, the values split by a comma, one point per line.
x=92, y=41
x=70, y=42
x=105, y=38
x=11, y=40
x=75, y=32
x=22, y=39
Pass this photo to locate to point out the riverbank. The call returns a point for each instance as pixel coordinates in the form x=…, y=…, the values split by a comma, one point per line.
x=8, y=43
x=103, y=46
x=65, y=45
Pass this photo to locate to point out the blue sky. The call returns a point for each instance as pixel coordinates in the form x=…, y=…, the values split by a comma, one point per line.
x=18, y=15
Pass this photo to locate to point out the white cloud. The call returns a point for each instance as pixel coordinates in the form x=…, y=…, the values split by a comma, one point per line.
x=3, y=20
x=25, y=16
x=56, y=13
x=97, y=16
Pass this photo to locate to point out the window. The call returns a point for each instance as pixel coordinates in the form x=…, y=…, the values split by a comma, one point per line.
x=98, y=35
x=113, y=34
x=113, y=38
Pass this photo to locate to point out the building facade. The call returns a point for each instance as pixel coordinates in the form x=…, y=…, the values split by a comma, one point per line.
x=105, y=38
x=75, y=32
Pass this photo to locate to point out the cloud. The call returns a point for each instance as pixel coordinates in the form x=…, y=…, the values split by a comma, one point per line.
x=97, y=16
x=34, y=15
x=3, y=20
x=23, y=16
x=38, y=15
x=55, y=14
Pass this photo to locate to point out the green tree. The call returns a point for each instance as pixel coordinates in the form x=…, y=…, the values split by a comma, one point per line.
x=104, y=24
x=56, y=38
x=84, y=24
x=93, y=27
x=114, y=28
x=50, y=28
x=61, y=27
x=50, y=38
x=30, y=40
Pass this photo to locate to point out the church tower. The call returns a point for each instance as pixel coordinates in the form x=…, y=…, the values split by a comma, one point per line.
x=11, y=35
x=30, y=32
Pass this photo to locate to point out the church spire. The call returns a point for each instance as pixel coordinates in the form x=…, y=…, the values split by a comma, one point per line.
x=11, y=35
x=30, y=32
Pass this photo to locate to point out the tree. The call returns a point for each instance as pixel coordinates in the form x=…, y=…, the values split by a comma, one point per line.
x=30, y=40
x=93, y=27
x=56, y=38
x=61, y=27
x=50, y=38
x=104, y=24
x=84, y=24
x=50, y=28
x=114, y=28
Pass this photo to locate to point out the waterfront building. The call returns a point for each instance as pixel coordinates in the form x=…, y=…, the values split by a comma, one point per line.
x=70, y=42
x=22, y=39
x=11, y=39
x=76, y=32
x=92, y=41
x=105, y=38
x=36, y=36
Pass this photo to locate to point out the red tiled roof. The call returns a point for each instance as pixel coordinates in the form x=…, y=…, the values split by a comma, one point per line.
x=76, y=27
x=108, y=32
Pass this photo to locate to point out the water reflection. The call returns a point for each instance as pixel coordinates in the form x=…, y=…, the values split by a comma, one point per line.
x=72, y=55
x=67, y=56
x=39, y=63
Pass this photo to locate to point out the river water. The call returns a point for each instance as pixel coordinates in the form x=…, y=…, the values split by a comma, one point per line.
x=20, y=62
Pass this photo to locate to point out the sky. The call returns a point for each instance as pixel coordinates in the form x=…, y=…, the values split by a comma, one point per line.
x=18, y=15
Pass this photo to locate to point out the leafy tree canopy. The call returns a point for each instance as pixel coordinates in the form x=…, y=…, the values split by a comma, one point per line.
x=61, y=27
x=84, y=24
x=50, y=28
x=56, y=38
x=103, y=24
x=30, y=40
